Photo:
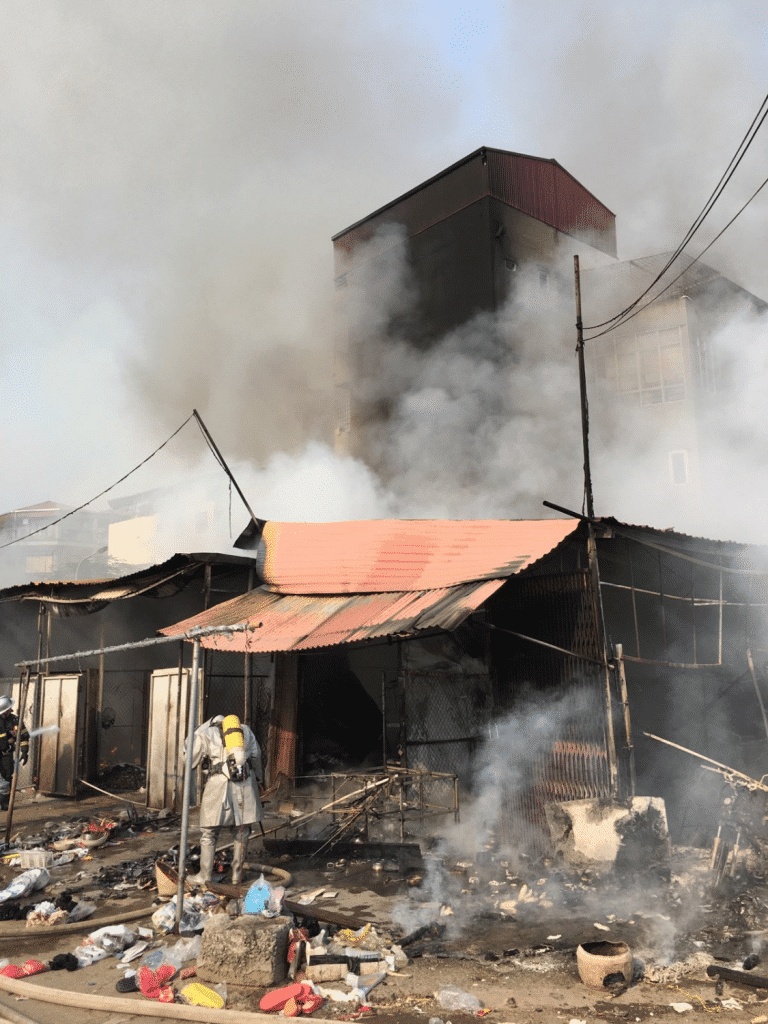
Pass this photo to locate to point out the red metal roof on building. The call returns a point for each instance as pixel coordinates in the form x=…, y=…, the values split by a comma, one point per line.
x=296, y=622
x=332, y=583
x=535, y=185
x=386, y=555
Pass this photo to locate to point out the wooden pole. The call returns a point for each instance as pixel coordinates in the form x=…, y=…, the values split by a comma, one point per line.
x=731, y=771
x=619, y=656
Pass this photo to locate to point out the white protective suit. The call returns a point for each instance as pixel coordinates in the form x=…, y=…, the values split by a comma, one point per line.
x=226, y=803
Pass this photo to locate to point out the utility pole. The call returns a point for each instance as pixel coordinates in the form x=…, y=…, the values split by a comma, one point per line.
x=583, y=393
x=602, y=639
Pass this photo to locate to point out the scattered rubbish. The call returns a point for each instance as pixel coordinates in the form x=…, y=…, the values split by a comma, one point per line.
x=196, y=994
x=681, y=1007
x=113, y=938
x=731, y=1004
x=601, y=927
x=451, y=997
x=25, y=970
x=35, y=859
x=129, y=983
x=277, y=999
x=193, y=915
x=64, y=962
x=751, y=962
x=25, y=883
x=263, y=898
x=132, y=953
x=81, y=911
x=89, y=953
x=154, y=984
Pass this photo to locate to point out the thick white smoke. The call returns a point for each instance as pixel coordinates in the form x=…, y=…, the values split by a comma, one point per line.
x=172, y=184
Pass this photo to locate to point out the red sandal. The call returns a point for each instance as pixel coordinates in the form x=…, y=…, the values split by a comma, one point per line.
x=277, y=999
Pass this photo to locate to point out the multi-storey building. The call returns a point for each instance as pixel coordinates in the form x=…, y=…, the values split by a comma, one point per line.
x=447, y=250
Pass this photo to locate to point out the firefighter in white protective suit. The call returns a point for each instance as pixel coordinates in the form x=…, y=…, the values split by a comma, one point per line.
x=229, y=752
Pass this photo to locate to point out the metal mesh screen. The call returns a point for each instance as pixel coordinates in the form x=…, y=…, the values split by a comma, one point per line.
x=234, y=686
x=446, y=714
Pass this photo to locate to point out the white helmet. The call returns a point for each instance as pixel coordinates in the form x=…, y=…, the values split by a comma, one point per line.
x=6, y=704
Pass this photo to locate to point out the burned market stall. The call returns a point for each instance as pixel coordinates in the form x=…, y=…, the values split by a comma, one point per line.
x=121, y=717
x=530, y=656
x=690, y=616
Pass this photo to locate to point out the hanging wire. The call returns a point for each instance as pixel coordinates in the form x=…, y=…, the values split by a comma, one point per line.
x=684, y=270
x=734, y=162
x=101, y=494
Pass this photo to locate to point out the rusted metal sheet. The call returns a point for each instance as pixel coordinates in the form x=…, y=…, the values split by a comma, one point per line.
x=387, y=555
x=301, y=622
x=545, y=190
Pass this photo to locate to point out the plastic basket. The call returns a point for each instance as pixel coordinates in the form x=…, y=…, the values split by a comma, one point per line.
x=36, y=859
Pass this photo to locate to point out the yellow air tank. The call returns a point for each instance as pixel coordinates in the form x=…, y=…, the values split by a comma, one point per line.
x=232, y=732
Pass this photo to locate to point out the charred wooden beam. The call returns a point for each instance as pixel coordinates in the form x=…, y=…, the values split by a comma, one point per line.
x=737, y=977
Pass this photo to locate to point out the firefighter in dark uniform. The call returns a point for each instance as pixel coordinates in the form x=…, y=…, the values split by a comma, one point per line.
x=9, y=724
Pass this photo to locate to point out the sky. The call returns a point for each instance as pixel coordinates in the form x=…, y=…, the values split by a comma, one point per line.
x=172, y=175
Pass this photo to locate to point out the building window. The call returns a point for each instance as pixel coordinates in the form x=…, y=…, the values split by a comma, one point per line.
x=678, y=467
x=648, y=368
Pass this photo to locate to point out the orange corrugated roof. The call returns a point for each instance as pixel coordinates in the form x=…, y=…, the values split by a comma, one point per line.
x=332, y=583
x=295, y=622
x=386, y=555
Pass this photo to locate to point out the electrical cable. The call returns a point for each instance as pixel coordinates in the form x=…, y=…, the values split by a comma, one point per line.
x=100, y=495
x=685, y=269
x=736, y=159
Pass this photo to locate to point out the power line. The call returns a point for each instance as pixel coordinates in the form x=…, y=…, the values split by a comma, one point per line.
x=684, y=270
x=101, y=495
x=734, y=162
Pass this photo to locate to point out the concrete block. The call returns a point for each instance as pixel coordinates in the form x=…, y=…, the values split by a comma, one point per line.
x=249, y=949
x=605, y=836
x=316, y=970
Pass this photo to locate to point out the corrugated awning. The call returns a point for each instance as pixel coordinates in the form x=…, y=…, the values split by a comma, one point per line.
x=295, y=622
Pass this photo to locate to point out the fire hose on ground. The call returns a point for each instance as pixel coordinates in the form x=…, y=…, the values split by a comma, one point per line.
x=115, y=1004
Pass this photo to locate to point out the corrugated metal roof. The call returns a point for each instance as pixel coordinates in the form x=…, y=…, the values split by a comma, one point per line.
x=296, y=622
x=535, y=185
x=392, y=555
x=162, y=580
x=332, y=583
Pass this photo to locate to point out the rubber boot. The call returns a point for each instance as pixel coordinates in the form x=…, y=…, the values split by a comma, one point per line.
x=207, y=853
x=238, y=853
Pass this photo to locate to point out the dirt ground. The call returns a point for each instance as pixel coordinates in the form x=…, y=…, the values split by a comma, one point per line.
x=520, y=965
